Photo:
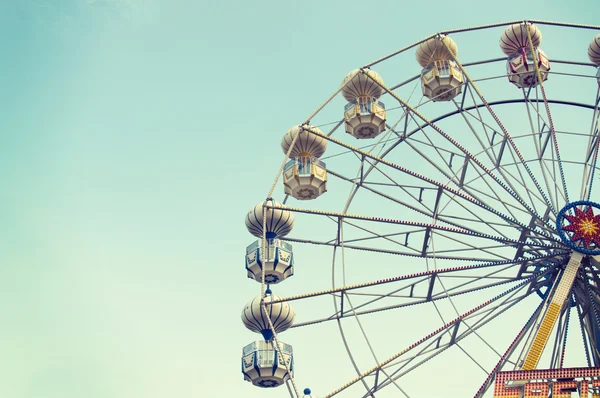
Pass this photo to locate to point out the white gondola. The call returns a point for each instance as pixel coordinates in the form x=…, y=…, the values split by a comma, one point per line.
x=265, y=366
x=364, y=114
x=305, y=178
x=521, y=63
x=441, y=78
x=304, y=175
x=278, y=262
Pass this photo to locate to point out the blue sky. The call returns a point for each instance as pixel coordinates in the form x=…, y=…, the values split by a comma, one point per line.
x=135, y=136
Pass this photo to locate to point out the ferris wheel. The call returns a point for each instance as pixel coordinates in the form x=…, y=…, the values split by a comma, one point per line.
x=452, y=217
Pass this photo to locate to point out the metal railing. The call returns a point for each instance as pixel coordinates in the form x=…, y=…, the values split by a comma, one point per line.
x=366, y=107
x=304, y=164
x=443, y=68
x=272, y=244
x=267, y=346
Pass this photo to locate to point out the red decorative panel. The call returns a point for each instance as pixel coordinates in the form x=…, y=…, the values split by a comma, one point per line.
x=541, y=382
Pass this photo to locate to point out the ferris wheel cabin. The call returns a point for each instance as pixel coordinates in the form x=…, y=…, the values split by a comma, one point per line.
x=441, y=78
x=364, y=114
x=276, y=258
x=526, y=63
x=267, y=363
x=304, y=175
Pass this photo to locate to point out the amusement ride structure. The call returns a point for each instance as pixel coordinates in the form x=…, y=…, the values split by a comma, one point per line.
x=468, y=207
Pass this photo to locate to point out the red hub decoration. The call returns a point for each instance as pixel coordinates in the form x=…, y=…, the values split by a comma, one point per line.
x=584, y=226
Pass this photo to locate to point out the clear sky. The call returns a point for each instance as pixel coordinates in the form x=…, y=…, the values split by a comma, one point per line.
x=134, y=137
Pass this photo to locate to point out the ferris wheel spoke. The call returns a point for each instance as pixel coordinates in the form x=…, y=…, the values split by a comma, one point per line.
x=411, y=253
x=427, y=275
x=422, y=226
x=429, y=181
x=414, y=194
x=458, y=176
x=452, y=220
x=589, y=300
x=465, y=111
x=369, y=307
x=336, y=125
x=496, y=197
x=506, y=135
x=417, y=252
x=584, y=337
x=423, y=287
x=494, y=151
x=589, y=330
x=402, y=365
x=541, y=137
x=592, y=152
x=433, y=291
x=519, y=181
x=373, y=354
x=545, y=217
x=534, y=226
x=546, y=139
x=462, y=247
x=540, y=240
x=466, y=153
x=508, y=206
x=420, y=249
x=344, y=338
x=448, y=330
x=549, y=115
x=436, y=209
x=511, y=168
x=433, y=210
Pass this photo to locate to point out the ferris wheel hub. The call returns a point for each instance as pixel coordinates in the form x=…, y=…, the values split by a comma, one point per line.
x=579, y=228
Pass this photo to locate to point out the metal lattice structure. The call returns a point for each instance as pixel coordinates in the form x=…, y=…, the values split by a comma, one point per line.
x=446, y=217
